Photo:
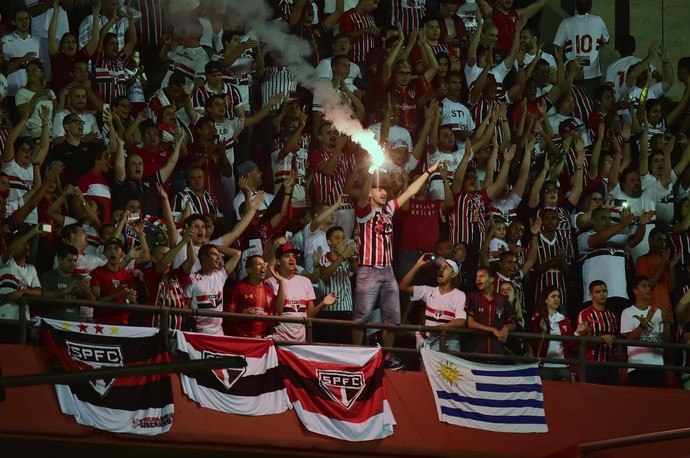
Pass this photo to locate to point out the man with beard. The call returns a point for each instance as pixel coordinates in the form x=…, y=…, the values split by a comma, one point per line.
x=444, y=304
x=71, y=152
x=255, y=297
x=204, y=289
x=77, y=106
x=638, y=201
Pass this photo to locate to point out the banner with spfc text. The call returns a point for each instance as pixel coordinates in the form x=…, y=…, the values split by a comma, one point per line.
x=136, y=405
x=338, y=391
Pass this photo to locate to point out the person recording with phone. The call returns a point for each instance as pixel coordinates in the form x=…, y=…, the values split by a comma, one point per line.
x=444, y=303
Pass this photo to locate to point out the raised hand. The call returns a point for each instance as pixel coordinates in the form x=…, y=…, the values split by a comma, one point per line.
x=258, y=199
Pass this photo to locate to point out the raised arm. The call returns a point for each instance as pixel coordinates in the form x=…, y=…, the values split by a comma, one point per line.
x=167, y=170
x=495, y=188
x=242, y=225
x=404, y=284
x=417, y=184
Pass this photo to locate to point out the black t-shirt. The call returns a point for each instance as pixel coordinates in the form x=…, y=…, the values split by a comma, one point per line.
x=144, y=191
x=75, y=159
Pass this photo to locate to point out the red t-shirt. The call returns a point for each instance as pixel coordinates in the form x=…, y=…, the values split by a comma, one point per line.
x=421, y=228
x=505, y=23
x=111, y=282
x=246, y=295
x=154, y=160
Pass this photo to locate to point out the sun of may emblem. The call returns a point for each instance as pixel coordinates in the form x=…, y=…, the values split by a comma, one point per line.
x=448, y=372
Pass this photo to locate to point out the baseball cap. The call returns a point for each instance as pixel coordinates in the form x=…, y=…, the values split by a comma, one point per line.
x=245, y=167
x=286, y=248
x=453, y=265
x=399, y=143
x=568, y=125
x=113, y=241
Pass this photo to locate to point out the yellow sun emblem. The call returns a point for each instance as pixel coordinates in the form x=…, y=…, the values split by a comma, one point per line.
x=449, y=373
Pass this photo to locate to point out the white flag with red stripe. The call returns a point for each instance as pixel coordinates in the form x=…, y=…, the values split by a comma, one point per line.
x=338, y=391
x=255, y=389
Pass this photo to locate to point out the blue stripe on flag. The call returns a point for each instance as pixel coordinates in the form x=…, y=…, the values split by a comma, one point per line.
x=498, y=403
x=519, y=388
x=498, y=419
x=529, y=372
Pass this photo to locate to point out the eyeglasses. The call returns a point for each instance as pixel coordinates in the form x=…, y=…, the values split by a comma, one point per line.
x=551, y=190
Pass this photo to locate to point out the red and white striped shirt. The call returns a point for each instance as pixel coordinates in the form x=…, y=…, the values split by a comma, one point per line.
x=376, y=234
x=233, y=98
x=110, y=75
x=467, y=218
x=150, y=26
x=600, y=323
x=206, y=204
x=547, y=250
x=408, y=13
x=329, y=187
x=352, y=21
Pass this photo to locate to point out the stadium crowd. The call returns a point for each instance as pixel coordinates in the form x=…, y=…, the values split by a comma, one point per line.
x=187, y=153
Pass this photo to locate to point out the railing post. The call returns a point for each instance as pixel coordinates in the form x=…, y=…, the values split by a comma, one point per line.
x=442, y=340
x=164, y=323
x=23, y=309
x=581, y=356
x=309, y=329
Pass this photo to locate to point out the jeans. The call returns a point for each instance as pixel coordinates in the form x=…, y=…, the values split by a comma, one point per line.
x=377, y=283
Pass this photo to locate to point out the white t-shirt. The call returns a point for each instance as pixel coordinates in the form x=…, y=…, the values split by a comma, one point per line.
x=16, y=278
x=582, y=36
x=205, y=292
x=637, y=205
x=40, y=23
x=630, y=320
x=298, y=293
x=189, y=61
x=440, y=308
x=15, y=47
x=33, y=127
x=608, y=267
x=324, y=70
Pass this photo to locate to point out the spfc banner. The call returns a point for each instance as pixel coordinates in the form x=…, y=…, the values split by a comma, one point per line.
x=338, y=391
x=136, y=405
x=256, y=389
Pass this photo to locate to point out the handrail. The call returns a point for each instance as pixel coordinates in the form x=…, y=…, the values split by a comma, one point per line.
x=582, y=341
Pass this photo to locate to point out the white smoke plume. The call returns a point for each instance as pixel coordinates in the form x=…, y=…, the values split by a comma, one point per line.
x=292, y=50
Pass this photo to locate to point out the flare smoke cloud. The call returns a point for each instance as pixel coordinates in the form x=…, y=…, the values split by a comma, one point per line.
x=257, y=15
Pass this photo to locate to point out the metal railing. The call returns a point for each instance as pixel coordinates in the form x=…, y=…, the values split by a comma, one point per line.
x=443, y=332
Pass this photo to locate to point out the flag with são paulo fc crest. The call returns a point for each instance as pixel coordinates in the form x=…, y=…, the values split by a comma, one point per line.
x=255, y=389
x=338, y=391
x=141, y=404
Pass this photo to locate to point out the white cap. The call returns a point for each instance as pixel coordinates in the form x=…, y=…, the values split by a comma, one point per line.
x=453, y=265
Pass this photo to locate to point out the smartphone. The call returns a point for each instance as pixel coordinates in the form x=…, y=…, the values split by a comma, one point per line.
x=429, y=257
x=106, y=107
x=620, y=203
x=45, y=228
x=134, y=217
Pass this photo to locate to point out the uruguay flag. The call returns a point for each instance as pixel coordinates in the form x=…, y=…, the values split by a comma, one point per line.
x=485, y=396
